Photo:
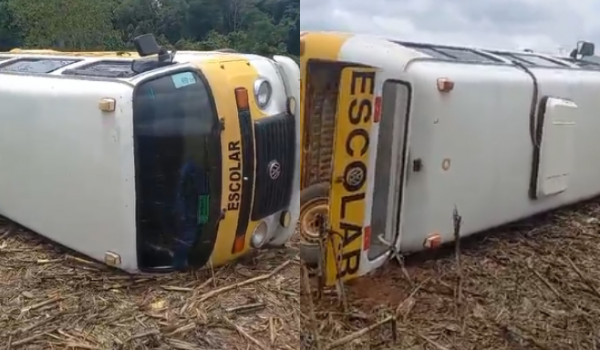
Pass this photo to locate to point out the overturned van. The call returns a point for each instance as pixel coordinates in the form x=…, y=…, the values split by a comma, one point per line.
x=155, y=161
x=397, y=135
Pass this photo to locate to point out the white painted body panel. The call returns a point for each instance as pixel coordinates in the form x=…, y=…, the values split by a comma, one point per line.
x=66, y=168
x=482, y=126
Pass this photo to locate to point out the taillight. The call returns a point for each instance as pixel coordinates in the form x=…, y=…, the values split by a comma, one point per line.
x=377, y=111
x=445, y=85
x=367, y=238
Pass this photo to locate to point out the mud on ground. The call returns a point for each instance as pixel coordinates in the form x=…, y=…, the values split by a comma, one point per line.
x=51, y=298
x=533, y=285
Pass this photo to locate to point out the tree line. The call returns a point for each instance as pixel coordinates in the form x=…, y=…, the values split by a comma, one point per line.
x=266, y=27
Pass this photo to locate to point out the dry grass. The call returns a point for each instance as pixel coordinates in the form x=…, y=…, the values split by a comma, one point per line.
x=53, y=299
x=534, y=285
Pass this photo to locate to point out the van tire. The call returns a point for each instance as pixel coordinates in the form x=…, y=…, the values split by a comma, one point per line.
x=313, y=200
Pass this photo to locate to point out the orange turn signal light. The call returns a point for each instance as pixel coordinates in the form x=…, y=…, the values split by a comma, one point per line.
x=241, y=98
x=445, y=85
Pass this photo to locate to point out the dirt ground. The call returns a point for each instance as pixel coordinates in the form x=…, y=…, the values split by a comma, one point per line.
x=533, y=285
x=52, y=299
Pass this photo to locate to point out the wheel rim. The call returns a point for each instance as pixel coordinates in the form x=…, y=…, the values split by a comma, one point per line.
x=309, y=220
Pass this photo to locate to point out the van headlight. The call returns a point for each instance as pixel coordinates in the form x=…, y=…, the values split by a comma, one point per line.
x=262, y=92
x=259, y=235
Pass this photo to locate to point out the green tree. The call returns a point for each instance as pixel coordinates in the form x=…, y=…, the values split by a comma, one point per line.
x=10, y=34
x=258, y=26
x=73, y=24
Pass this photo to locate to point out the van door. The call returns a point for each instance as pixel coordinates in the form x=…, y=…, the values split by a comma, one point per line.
x=349, y=229
x=390, y=167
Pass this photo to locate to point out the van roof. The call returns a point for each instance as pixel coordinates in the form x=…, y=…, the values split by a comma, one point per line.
x=112, y=65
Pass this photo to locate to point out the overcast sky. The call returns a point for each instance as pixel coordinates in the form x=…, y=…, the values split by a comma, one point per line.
x=542, y=25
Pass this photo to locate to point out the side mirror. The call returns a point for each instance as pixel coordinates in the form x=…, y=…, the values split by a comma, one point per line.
x=146, y=45
x=585, y=48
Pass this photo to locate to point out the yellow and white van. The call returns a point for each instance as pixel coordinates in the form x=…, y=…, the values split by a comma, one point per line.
x=397, y=135
x=150, y=163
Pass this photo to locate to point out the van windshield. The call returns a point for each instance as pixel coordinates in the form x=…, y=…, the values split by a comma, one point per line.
x=177, y=153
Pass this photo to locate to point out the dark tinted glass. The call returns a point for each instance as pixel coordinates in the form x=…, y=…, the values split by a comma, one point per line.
x=113, y=69
x=177, y=104
x=34, y=65
x=174, y=121
x=529, y=60
x=466, y=55
x=450, y=53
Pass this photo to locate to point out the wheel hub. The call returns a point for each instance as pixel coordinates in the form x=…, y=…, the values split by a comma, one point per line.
x=311, y=221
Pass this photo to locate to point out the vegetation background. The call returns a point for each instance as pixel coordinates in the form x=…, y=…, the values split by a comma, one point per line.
x=264, y=27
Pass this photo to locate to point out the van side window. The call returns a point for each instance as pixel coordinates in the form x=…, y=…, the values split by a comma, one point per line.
x=108, y=69
x=460, y=54
x=35, y=65
x=530, y=60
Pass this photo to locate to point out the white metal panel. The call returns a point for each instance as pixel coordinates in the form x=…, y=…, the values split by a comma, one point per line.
x=483, y=128
x=67, y=168
x=556, y=148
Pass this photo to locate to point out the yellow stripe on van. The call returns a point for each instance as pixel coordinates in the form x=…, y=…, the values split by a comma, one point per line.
x=349, y=181
x=240, y=73
x=225, y=76
x=227, y=111
x=245, y=76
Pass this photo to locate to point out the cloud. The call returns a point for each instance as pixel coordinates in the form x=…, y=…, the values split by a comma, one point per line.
x=543, y=25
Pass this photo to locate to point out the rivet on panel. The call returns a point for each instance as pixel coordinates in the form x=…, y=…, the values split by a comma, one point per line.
x=446, y=164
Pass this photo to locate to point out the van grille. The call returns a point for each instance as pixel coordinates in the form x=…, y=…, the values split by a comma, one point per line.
x=275, y=144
